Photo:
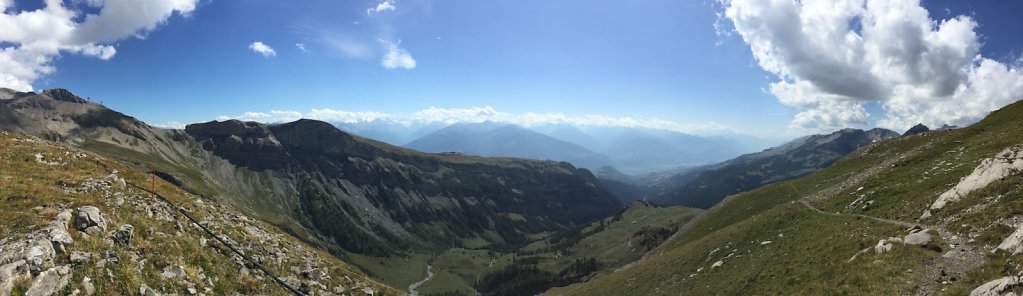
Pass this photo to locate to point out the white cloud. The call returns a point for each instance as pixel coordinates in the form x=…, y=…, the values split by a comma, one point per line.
x=396, y=57
x=833, y=57
x=263, y=49
x=476, y=115
x=345, y=45
x=488, y=113
x=453, y=115
x=275, y=116
x=332, y=115
x=386, y=5
x=32, y=39
x=301, y=46
x=170, y=125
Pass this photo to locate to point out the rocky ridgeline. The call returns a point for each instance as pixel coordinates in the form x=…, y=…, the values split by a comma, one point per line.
x=125, y=240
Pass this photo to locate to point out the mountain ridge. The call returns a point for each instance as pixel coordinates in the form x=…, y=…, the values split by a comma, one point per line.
x=287, y=173
x=704, y=186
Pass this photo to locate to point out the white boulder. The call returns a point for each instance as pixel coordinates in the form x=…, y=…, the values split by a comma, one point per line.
x=995, y=287
x=1005, y=163
x=917, y=238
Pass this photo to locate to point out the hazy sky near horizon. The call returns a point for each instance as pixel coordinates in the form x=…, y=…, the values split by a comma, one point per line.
x=759, y=67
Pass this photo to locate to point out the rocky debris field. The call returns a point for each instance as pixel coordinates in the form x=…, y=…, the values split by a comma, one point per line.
x=74, y=225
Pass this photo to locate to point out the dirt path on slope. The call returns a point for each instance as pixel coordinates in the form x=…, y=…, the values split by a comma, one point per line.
x=882, y=220
x=938, y=272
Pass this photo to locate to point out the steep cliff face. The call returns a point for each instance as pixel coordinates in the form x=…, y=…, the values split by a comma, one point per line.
x=244, y=144
x=372, y=197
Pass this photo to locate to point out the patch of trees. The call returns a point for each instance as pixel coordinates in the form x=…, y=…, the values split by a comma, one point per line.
x=650, y=237
x=524, y=277
x=561, y=241
x=337, y=220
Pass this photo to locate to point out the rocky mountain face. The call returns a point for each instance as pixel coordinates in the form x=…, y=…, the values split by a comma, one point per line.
x=916, y=129
x=705, y=186
x=930, y=214
x=506, y=140
x=77, y=223
x=372, y=197
x=341, y=192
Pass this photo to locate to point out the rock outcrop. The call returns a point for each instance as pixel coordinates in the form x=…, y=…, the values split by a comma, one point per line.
x=1013, y=243
x=34, y=257
x=1005, y=163
x=886, y=245
x=996, y=287
x=919, y=238
x=90, y=221
x=57, y=232
x=124, y=234
x=50, y=282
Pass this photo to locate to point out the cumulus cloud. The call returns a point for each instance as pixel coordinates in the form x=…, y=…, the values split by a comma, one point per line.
x=301, y=46
x=263, y=49
x=30, y=40
x=831, y=58
x=396, y=57
x=386, y=5
x=476, y=115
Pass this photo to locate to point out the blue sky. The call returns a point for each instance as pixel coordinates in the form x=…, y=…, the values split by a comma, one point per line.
x=684, y=62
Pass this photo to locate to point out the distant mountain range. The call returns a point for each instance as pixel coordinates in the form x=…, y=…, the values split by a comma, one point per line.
x=705, y=186
x=506, y=140
x=632, y=150
x=659, y=166
x=390, y=132
x=639, y=150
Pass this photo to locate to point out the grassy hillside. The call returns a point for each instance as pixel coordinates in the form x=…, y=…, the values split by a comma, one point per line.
x=42, y=179
x=801, y=236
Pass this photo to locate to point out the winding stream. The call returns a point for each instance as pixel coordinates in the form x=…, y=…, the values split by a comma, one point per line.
x=413, y=289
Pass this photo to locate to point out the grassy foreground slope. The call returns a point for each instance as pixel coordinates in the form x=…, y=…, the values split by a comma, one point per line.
x=40, y=180
x=816, y=235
